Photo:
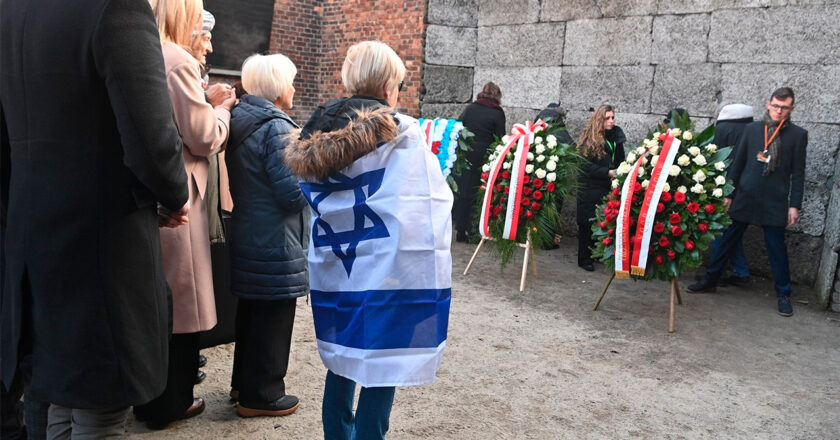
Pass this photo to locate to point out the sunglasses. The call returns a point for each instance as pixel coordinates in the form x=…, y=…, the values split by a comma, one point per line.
x=401, y=86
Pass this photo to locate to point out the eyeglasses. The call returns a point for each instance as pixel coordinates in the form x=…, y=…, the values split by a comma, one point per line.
x=784, y=108
x=610, y=117
x=402, y=85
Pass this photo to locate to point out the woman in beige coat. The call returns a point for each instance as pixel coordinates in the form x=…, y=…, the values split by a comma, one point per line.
x=186, y=249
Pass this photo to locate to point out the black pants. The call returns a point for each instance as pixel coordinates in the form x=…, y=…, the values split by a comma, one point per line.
x=177, y=397
x=261, y=354
x=464, y=205
x=585, y=243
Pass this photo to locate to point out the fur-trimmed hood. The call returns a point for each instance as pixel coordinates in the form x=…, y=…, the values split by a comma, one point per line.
x=324, y=153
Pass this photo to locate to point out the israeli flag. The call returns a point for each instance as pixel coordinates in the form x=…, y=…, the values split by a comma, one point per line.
x=380, y=266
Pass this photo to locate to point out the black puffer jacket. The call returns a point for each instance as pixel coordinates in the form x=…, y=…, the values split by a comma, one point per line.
x=595, y=179
x=270, y=228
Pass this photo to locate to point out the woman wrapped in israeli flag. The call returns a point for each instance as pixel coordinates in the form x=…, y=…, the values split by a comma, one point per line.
x=379, y=257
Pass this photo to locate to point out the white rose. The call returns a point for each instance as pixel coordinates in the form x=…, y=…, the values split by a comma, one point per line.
x=530, y=156
x=550, y=138
x=615, y=183
x=711, y=148
x=720, y=180
x=655, y=159
x=622, y=169
x=538, y=129
x=687, y=136
x=551, y=144
x=717, y=193
x=499, y=148
x=506, y=165
x=540, y=173
x=554, y=158
x=645, y=183
x=676, y=132
x=551, y=165
x=485, y=168
x=720, y=166
x=683, y=160
x=694, y=151
x=540, y=158
x=697, y=189
x=551, y=177
x=650, y=143
x=654, y=149
x=699, y=176
x=505, y=139
x=675, y=170
x=667, y=187
x=540, y=149
x=641, y=171
x=538, y=140
x=640, y=151
x=631, y=158
x=656, y=135
x=529, y=168
x=700, y=160
x=682, y=189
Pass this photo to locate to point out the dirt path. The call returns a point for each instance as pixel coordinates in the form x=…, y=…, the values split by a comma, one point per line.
x=543, y=365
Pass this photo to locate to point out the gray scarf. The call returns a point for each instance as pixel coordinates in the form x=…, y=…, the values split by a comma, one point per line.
x=775, y=147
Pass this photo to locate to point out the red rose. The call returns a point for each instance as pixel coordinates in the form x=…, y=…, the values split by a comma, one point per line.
x=614, y=204
x=529, y=215
x=607, y=241
x=611, y=218
x=659, y=228
x=637, y=187
x=693, y=207
x=525, y=179
x=679, y=197
x=482, y=187
x=603, y=225
x=505, y=174
x=675, y=219
x=507, y=189
x=710, y=209
x=611, y=231
x=666, y=197
x=497, y=210
x=502, y=199
x=616, y=192
x=659, y=260
x=607, y=210
x=550, y=187
x=703, y=227
x=689, y=245
x=634, y=199
x=484, y=176
x=672, y=255
x=663, y=241
x=526, y=201
x=526, y=190
x=535, y=206
x=660, y=207
x=538, y=195
x=632, y=221
x=538, y=183
x=498, y=187
x=676, y=231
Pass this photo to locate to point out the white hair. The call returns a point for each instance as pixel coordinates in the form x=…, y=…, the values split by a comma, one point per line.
x=369, y=66
x=268, y=76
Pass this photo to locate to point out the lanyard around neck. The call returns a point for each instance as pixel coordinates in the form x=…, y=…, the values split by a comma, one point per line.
x=612, y=146
x=766, y=141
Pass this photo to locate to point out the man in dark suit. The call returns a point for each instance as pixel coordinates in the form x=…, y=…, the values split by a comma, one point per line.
x=92, y=150
x=769, y=177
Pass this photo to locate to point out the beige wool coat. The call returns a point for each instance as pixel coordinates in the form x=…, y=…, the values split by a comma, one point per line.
x=186, y=249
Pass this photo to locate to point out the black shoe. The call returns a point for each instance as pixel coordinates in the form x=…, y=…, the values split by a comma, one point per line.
x=734, y=280
x=200, y=376
x=195, y=409
x=461, y=237
x=549, y=247
x=202, y=360
x=587, y=266
x=702, y=286
x=280, y=407
x=785, y=309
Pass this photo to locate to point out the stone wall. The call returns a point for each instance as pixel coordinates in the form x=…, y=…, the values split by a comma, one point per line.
x=645, y=57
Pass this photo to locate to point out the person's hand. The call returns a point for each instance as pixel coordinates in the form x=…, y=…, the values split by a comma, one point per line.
x=793, y=216
x=229, y=101
x=727, y=201
x=612, y=174
x=217, y=93
x=173, y=219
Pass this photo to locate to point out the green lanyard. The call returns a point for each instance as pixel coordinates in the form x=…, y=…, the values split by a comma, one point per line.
x=612, y=146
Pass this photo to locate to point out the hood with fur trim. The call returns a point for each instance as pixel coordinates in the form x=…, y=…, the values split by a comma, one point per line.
x=325, y=153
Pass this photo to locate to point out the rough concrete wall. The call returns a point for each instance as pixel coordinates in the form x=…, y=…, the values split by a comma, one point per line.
x=644, y=57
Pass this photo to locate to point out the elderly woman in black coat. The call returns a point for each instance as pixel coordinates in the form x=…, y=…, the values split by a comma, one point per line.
x=267, y=236
x=602, y=144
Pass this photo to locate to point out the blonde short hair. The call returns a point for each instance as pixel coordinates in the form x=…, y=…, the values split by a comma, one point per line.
x=268, y=76
x=369, y=66
x=177, y=20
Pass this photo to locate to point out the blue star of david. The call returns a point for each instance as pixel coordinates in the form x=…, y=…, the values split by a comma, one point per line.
x=323, y=233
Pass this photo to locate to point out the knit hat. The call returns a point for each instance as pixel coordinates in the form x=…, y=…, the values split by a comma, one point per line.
x=735, y=111
x=208, y=22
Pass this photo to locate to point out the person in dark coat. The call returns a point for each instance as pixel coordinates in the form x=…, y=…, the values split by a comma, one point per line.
x=729, y=128
x=486, y=119
x=602, y=144
x=769, y=177
x=268, y=237
x=93, y=150
x=555, y=117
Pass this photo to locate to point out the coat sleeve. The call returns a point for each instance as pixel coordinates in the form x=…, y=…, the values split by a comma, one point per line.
x=284, y=184
x=127, y=55
x=499, y=129
x=797, y=178
x=203, y=128
x=737, y=165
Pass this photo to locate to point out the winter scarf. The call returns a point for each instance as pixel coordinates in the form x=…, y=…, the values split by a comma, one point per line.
x=775, y=147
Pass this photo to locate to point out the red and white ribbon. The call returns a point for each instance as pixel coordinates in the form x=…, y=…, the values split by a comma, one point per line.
x=428, y=128
x=522, y=136
x=622, y=239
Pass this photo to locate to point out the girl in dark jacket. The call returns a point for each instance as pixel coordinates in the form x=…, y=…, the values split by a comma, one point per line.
x=267, y=236
x=486, y=119
x=602, y=144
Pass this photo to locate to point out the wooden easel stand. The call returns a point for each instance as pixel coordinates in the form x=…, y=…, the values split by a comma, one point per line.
x=529, y=252
x=675, y=296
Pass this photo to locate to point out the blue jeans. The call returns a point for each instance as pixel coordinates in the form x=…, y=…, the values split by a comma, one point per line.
x=774, y=239
x=372, y=414
x=738, y=259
